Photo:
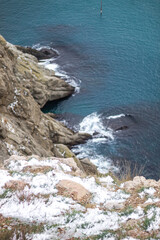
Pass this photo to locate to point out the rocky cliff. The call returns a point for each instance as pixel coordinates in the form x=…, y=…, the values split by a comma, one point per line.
x=25, y=87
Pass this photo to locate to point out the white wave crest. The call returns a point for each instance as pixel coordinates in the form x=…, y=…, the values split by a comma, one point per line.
x=38, y=47
x=92, y=124
x=116, y=116
x=50, y=64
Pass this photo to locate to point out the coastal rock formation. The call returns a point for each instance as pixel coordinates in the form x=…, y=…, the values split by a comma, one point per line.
x=41, y=82
x=43, y=53
x=25, y=86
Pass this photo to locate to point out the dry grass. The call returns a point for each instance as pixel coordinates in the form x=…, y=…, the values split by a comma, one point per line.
x=128, y=170
x=13, y=229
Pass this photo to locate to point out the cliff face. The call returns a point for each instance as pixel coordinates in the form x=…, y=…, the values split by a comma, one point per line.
x=42, y=83
x=24, y=88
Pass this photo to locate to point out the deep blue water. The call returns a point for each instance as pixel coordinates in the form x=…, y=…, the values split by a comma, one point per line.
x=116, y=57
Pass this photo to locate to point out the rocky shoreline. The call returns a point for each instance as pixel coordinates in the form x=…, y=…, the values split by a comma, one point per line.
x=46, y=192
x=25, y=87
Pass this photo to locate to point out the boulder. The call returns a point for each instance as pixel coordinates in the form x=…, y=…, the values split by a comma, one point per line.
x=37, y=169
x=114, y=205
x=73, y=190
x=15, y=185
x=62, y=151
x=89, y=167
x=138, y=182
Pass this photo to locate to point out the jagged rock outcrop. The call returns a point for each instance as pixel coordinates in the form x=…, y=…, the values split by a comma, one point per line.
x=89, y=167
x=24, y=88
x=41, y=82
x=43, y=53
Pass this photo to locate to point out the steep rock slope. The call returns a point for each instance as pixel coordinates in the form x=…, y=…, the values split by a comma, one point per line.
x=24, y=88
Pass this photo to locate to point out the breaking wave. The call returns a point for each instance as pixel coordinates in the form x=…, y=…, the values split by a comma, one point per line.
x=89, y=150
x=50, y=64
x=93, y=125
x=116, y=116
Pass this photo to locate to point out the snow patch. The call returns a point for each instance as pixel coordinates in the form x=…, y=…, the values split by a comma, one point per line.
x=11, y=149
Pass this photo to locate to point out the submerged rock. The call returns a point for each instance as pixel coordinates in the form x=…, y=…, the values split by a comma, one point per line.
x=121, y=128
x=43, y=53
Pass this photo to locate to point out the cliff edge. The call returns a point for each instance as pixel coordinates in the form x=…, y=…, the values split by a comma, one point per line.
x=25, y=87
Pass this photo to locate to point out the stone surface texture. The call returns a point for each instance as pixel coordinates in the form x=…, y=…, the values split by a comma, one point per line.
x=25, y=86
x=74, y=190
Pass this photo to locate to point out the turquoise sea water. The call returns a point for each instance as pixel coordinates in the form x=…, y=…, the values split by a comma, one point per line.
x=114, y=58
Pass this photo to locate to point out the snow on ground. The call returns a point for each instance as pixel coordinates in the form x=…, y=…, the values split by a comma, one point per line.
x=64, y=217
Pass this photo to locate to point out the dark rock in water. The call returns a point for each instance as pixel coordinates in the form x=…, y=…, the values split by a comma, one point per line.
x=47, y=53
x=122, y=128
x=95, y=133
x=131, y=117
x=44, y=53
x=128, y=115
x=119, y=123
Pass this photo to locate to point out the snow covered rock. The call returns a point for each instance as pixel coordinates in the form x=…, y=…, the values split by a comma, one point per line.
x=74, y=190
x=15, y=185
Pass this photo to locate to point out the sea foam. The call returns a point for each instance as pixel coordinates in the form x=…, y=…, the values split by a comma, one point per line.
x=93, y=125
x=116, y=116
x=50, y=64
